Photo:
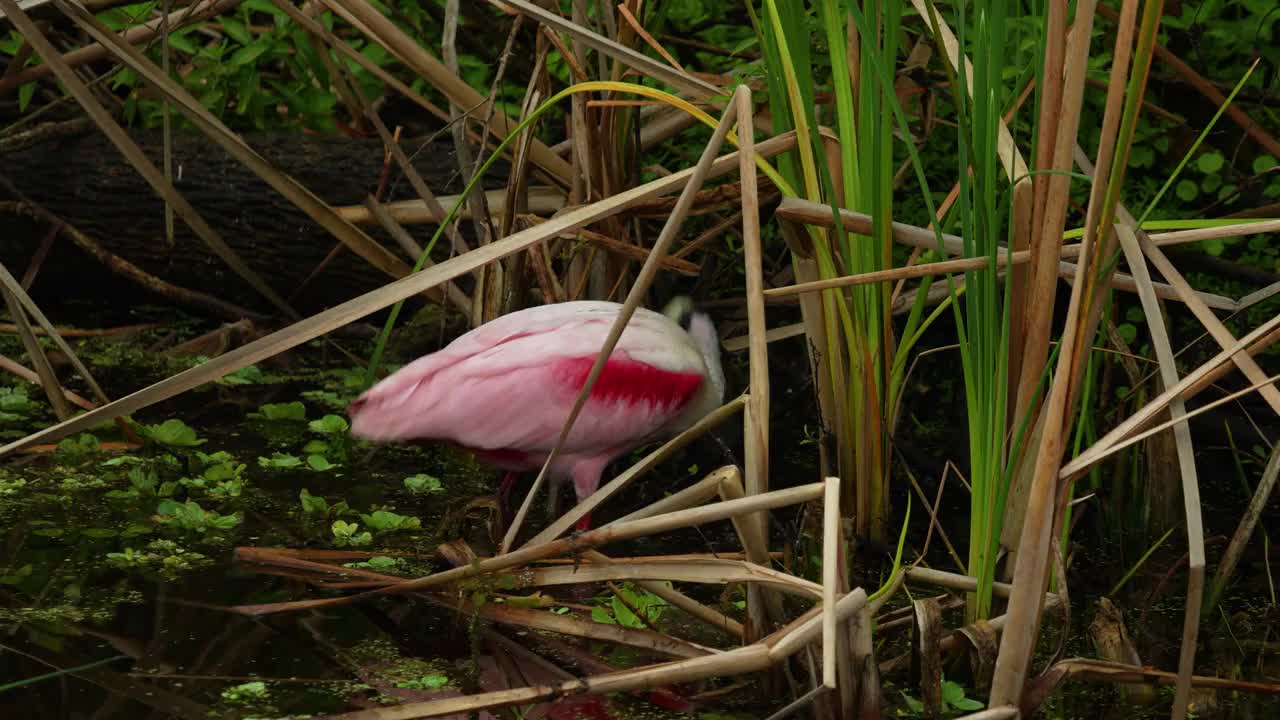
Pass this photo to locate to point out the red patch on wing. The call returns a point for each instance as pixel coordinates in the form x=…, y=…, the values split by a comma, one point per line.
x=631, y=382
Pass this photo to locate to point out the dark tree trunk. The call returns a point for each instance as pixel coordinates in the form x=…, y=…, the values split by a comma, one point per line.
x=88, y=183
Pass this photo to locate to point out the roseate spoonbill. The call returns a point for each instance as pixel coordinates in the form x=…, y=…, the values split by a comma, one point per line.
x=504, y=389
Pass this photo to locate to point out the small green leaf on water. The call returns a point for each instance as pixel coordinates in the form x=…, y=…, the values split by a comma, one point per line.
x=136, y=529
x=345, y=533
x=280, y=461
x=172, y=432
x=25, y=93
x=316, y=447
x=319, y=463
x=1263, y=163
x=79, y=445
x=17, y=576
x=123, y=460
x=143, y=480
x=422, y=483
x=244, y=376
x=1187, y=190
x=214, y=458
x=15, y=400
x=190, y=516
x=284, y=411
x=248, y=692
x=99, y=532
x=329, y=424
x=1128, y=332
x=1141, y=156
x=313, y=503
x=913, y=704
x=1210, y=162
x=377, y=562
x=387, y=521
x=1214, y=246
x=434, y=681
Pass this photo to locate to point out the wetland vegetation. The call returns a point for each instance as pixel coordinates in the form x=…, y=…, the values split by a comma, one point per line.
x=189, y=529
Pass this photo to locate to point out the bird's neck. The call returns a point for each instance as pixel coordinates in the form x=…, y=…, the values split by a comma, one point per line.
x=703, y=333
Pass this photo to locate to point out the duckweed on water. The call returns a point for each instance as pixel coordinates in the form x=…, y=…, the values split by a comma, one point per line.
x=246, y=693
x=347, y=534
x=383, y=659
x=100, y=531
x=163, y=557
x=422, y=484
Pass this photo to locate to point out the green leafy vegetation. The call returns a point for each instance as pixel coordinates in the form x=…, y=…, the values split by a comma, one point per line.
x=91, y=521
x=631, y=607
x=425, y=682
x=173, y=433
x=423, y=484
x=190, y=516
x=955, y=701
x=347, y=534
x=282, y=411
x=246, y=693
x=383, y=521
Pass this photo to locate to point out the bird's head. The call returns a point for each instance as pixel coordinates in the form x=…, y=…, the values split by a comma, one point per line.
x=683, y=312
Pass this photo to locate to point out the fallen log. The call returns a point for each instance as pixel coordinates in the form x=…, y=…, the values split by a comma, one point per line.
x=83, y=180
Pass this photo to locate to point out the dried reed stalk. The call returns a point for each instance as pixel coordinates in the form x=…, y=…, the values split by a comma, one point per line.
x=710, y=570
x=677, y=599
x=696, y=494
x=756, y=415
x=792, y=639
x=1261, y=495
x=11, y=284
x=1123, y=433
x=574, y=626
x=751, y=658
x=830, y=577
x=817, y=214
x=754, y=542
x=35, y=351
x=1186, y=466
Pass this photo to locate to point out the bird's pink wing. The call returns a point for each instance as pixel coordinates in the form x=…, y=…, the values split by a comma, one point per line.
x=515, y=393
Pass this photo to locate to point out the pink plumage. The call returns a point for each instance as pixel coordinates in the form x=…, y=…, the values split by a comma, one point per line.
x=504, y=389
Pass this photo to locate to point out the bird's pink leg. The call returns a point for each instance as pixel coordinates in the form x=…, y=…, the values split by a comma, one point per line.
x=586, y=479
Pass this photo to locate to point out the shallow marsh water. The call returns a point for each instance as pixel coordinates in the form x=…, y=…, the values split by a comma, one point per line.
x=106, y=562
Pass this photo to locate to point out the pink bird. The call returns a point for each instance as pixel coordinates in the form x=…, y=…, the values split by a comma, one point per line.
x=504, y=390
